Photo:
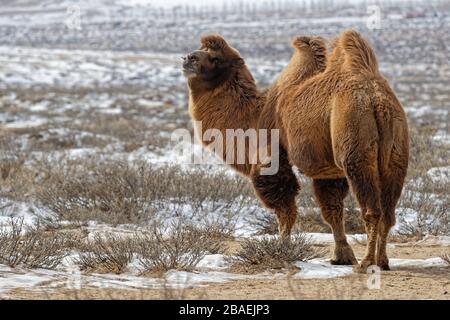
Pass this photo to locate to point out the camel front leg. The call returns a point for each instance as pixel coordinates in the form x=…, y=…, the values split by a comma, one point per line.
x=286, y=219
x=277, y=192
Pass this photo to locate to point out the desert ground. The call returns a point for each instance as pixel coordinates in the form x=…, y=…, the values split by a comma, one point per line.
x=412, y=280
x=97, y=202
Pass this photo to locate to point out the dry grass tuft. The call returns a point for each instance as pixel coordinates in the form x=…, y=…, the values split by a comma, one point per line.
x=32, y=247
x=10, y=167
x=106, y=254
x=113, y=193
x=273, y=253
x=265, y=224
x=180, y=247
x=424, y=153
x=423, y=209
x=117, y=192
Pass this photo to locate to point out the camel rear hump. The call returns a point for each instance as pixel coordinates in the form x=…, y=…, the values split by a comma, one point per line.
x=358, y=54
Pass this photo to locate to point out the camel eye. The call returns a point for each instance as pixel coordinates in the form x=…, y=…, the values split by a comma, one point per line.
x=216, y=60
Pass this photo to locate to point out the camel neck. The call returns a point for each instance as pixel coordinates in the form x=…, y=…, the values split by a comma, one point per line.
x=233, y=104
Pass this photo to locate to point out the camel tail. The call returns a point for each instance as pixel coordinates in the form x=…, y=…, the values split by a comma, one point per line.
x=359, y=55
x=389, y=129
x=386, y=141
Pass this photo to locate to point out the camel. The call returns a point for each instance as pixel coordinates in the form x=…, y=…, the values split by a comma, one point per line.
x=340, y=124
x=345, y=127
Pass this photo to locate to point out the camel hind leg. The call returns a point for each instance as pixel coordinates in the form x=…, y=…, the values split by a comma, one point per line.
x=363, y=177
x=390, y=195
x=355, y=146
x=330, y=195
x=392, y=180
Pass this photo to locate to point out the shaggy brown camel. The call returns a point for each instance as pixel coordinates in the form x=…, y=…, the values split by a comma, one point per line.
x=345, y=127
x=365, y=143
x=223, y=95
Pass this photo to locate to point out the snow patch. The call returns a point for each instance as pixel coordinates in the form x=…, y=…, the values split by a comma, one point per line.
x=321, y=269
x=21, y=210
x=213, y=261
x=439, y=174
x=16, y=278
x=430, y=241
x=25, y=124
x=417, y=263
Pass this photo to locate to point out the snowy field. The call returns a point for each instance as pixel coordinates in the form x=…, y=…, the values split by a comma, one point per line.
x=88, y=108
x=210, y=270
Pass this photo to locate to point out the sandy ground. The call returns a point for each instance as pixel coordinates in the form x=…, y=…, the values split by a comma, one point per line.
x=401, y=283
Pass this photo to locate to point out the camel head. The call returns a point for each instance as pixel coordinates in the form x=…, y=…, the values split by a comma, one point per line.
x=213, y=62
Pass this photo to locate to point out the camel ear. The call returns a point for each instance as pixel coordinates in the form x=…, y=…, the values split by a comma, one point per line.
x=239, y=62
x=214, y=42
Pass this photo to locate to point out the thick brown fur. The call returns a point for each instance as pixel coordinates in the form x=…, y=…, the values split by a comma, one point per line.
x=341, y=125
x=345, y=127
x=227, y=98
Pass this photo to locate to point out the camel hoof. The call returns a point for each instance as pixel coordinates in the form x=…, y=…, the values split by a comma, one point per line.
x=343, y=262
x=344, y=256
x=359, y=268
x=384, y=266
x=363, y=266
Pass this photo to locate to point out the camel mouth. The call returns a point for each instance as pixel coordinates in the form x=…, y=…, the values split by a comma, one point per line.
x=189, y=69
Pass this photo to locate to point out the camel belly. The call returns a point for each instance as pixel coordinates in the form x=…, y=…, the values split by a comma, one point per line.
x=323, y=172
x=315, y=159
